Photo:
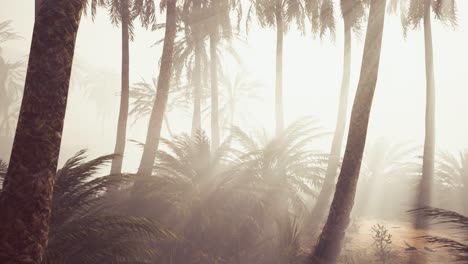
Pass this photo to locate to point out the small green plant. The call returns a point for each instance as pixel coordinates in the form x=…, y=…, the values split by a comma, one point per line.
x=382, y=243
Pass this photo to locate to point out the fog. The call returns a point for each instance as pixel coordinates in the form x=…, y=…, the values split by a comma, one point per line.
x=312, y=77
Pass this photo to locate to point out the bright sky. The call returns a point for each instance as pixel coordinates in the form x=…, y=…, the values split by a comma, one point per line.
x=312, y=78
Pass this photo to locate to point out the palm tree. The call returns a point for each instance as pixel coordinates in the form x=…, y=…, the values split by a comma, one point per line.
x=159, y=107
x=353, y=13
x=83, y=214
x=10, y=80
x=124, y=12
x=413, y=13
x=220, y=24
x=330, y=241
x=238, y=93
x=144, y=93
x=26, y=199
x=281, y=14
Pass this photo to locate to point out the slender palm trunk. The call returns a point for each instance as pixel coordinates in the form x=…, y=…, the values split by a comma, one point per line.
x=159, y=107
x=424, y=195
x=168, y=126
x=215, y=138
x=25, y=203
x=331, y=238
x=323, y=200
x=196, y=120
x=125, y=93
x=279, y=118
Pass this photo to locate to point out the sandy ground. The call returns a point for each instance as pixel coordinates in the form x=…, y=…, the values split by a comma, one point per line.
x=359, y=247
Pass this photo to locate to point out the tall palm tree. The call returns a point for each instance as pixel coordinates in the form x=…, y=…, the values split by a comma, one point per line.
x=123, y=13
x=220, y=26
x=331, y=238
x=278, y=14
x=353, y=13
x=26, y=199
x=159, y=107
x=413, y=13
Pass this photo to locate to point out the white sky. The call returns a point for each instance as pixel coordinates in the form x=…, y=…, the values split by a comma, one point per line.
x=312, y=77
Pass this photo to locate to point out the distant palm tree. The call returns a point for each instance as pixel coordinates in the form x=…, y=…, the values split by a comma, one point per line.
x=330, y=242
x=159, y=107
x=413, y=13
x=26, y=199
x=353, y=13
x=238, y=93
x=219, y=27
x=143, y=94
x=124, y=12
x=10, y=81
x=280, y=14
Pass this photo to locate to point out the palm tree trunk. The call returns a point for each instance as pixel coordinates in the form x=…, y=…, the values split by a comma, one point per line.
x=331, y=238
x=323, y=200
x=125, y=93
x=279, y=68
x=37, y=5
x=159, y=107
x=25, y=203
x=196, y=120
x=424, y=195
x=168, y=126
x=215, y=138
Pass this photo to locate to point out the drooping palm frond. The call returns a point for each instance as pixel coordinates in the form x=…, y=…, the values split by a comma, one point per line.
x=412, y=12
x=11, y=84
x=78, y=188
x=107, y=239
x=84, y=230
x=456, y=222
x=284, y=169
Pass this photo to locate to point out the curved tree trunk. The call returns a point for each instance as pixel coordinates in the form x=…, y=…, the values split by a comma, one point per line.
x=323, y=200
x=125, y=93
x=424, y=195
x=279, y=118
x=197, y=82
x=159, y=107
x=215, y=138
x=331, y=238
x=25, y=203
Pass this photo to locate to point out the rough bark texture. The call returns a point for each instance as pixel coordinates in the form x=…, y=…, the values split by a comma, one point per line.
x=331, y=238
x=279, y=118
x=25, y=203
x=197, y=85
x=159, y=107
x=37, y=5
x=323, y=200
x=125, y=93
x=424, y=195
x=214, y=92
